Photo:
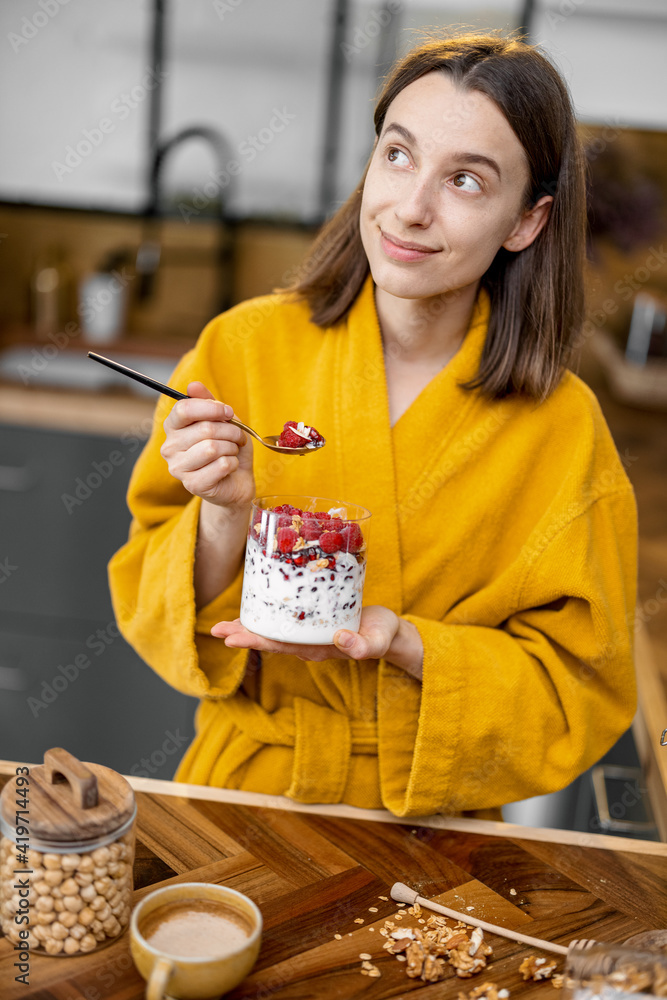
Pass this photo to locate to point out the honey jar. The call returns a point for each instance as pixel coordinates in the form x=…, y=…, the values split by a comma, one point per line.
x=66, y=856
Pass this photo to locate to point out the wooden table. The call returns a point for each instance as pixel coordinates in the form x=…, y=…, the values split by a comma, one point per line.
x=313, y=870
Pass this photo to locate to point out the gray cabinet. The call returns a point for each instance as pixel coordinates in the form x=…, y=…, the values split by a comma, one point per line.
x=62, y=515
x=67, y=677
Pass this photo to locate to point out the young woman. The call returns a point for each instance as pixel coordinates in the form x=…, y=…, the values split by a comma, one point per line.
x=427, y=340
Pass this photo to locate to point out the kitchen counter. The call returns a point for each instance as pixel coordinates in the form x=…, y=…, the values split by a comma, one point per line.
x=315, y=870
x=62, y=389
x=111, y=414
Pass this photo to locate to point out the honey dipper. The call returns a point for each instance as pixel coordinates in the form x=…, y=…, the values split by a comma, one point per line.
x=403, y=894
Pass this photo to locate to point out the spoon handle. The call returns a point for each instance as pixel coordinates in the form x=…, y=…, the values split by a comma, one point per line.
x=161, y=387
x=248, y=430
x=138, y=377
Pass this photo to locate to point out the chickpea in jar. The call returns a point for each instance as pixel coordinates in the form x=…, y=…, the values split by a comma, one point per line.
x=76, y=902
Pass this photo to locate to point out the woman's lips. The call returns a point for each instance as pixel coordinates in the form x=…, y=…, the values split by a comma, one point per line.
x=401, y=251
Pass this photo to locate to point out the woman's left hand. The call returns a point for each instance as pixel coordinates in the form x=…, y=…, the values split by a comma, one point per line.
x=378, y=628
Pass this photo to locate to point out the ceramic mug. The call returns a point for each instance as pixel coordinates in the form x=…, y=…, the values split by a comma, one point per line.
x=170, y=974
x=102, y=307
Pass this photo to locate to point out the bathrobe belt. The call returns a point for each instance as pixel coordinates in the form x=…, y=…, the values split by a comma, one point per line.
x=323, y=742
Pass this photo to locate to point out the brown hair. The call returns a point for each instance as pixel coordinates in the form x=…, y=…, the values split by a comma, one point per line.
x=537, y=293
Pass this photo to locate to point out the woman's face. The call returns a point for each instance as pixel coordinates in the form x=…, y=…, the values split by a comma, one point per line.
x=444, y=190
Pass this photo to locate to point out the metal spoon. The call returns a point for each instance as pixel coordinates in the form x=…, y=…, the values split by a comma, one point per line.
x=269, y=441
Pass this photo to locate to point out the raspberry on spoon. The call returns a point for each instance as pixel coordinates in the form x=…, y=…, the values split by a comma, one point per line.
x=299, y=435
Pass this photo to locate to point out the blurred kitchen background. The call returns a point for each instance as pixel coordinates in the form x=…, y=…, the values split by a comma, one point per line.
x=164, y=159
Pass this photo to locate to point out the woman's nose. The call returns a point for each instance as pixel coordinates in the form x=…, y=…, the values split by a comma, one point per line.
x=414, y=207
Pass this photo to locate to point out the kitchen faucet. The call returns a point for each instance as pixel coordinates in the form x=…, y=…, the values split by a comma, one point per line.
x=149, y=251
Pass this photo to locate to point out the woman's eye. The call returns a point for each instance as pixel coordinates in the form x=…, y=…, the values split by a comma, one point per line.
x=466, y=182
x=394, y=155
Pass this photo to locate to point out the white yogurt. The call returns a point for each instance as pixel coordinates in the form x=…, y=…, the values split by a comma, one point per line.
x=306, y=603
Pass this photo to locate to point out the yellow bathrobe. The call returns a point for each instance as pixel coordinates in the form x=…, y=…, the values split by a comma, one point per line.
x=504, y=531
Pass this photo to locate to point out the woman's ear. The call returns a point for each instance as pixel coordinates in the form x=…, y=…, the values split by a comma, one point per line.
x=529, y=225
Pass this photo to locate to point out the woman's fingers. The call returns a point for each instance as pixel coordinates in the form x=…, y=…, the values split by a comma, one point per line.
x=350, y=643
x=242, y=636
x=202, y=453
x=205, y=482
x=198, y=431
x=210, y=456
x=199, y=390
x=236, y=636
x=208, y=430
x=377, y=629
x=201, y=405
x=189, y=411
x=223, y=629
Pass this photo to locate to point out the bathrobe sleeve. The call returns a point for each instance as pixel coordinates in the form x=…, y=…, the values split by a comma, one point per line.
x=151, y=576
x=522, y=709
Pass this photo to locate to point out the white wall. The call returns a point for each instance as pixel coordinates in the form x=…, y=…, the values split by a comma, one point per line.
x=227, y=71
x=232, y=63
x=613, y=53
x=64, y=79
x=68, y=64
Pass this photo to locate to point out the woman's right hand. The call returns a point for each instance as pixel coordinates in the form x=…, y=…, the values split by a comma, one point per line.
x=210, y=456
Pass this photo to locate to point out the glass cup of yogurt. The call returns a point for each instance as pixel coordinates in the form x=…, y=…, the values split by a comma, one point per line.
x=305, y=564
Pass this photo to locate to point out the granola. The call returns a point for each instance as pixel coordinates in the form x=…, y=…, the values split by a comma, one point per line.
x=537, y=968
x=428, y=949
x=368, y=969
x=487, y=991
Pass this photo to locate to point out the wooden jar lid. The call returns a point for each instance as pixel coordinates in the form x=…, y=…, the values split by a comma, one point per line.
x=68, y=800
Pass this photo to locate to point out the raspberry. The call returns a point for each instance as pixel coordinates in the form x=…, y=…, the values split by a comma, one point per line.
x=353, y=539
x=309, y=515
x=311, y=530
x=285, y=521
x=331, y=541
x=322, y=515
x=289, y=439
x=286, y=539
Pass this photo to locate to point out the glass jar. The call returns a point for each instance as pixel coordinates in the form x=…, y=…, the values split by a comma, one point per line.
x=305, y=565
x=604, y=971
x=67, y=832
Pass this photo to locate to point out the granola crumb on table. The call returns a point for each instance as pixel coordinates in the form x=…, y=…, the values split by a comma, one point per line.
x=487, y=991
x=537, y=968
x=368, y=969
x=428, y=946
x=427, y=950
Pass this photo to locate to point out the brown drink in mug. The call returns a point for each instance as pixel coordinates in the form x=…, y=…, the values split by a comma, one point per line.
x=194, y=939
